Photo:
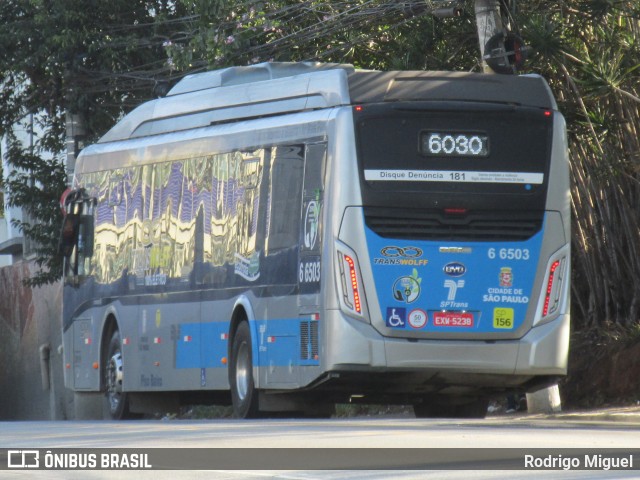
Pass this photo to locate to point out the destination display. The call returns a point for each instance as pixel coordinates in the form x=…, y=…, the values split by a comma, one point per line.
x=454, y=144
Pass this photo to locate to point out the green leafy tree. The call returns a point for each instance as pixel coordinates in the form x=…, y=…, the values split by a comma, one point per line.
x=35, y=184
x=86, y=57
x=367, y=34
x=590, y=52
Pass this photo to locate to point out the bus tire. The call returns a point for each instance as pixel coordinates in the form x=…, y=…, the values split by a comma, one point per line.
x=117, y=400
x=244, y=395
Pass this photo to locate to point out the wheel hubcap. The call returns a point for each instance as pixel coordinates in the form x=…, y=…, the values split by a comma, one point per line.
x=114, y=380
x=242, y=371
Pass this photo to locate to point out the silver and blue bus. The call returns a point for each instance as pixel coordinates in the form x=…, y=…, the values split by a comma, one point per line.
x=284, y=237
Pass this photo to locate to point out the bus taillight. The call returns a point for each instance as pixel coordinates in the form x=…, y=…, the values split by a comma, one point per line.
x=554, y=292
x=350, y=283
x=550, y=305
x=353, y=279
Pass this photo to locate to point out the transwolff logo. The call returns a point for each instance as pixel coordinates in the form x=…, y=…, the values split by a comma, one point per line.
x=405, y=256
x=455, y=269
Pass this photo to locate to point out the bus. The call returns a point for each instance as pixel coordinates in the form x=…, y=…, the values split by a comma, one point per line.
x=285, y=237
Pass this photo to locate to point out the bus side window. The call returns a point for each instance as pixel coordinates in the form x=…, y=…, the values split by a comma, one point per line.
x=287, y=170
x=312, y=198
x=315, y=170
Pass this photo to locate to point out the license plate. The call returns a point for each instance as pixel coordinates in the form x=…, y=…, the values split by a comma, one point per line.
x=453, y=319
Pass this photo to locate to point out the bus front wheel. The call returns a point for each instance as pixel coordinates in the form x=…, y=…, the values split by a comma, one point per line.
x=244, y=395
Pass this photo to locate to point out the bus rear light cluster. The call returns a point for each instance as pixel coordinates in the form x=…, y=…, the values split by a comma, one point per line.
x=353, y=283
x=551, y=305
x=350, y=283
x=555, y=289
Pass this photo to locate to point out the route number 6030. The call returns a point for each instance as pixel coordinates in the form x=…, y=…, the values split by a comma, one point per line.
x=509, y=253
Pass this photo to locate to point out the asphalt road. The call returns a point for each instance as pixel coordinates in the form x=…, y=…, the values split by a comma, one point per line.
x=469, y=449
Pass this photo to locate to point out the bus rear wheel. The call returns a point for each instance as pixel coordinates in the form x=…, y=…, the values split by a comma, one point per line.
x=244, y=395
x=117, y=401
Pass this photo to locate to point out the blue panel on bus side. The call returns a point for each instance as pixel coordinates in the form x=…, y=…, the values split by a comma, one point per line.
x=201, y=345
x=205, y=345
x=446, y=286
x=188, y=346
x=214, y=344
x=276, y=348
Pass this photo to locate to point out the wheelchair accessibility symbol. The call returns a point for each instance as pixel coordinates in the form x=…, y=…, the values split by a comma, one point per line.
x=396, y=317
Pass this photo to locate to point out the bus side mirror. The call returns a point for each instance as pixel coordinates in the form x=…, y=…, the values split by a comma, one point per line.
x=77, y=230
x=85, y=236
x=68, y=234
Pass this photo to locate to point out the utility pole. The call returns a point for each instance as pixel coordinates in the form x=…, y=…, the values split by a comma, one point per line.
x=504, y=52
x=489, y=25
x=76, y=132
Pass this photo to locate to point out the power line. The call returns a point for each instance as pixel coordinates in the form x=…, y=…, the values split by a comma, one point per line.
x=293, y=28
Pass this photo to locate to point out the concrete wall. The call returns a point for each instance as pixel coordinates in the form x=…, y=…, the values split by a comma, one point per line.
x=30, y=320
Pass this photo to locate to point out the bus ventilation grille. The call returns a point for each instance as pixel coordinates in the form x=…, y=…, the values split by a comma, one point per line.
x=471, y=226
x=309, y=340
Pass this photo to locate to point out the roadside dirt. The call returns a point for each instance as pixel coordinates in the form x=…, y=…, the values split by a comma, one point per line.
x=602, y=374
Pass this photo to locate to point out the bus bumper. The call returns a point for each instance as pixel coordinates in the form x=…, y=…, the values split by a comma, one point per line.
x=354, y=345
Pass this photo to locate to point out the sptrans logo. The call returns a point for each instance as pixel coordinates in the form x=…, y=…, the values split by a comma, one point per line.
x=455, y=269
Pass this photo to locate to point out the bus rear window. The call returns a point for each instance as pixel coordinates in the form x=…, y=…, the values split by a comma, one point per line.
x=449, y=154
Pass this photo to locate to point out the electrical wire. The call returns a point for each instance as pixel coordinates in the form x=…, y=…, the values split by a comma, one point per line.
x=293, y=27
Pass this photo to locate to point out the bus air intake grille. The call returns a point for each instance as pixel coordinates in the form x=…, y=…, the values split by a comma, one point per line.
x=309, y=340
x=437, y=225
x=314, y=340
